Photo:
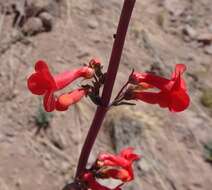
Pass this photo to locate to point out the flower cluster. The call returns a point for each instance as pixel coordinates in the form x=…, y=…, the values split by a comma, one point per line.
x=111, y=166
x=172, y=93
x=43, y=83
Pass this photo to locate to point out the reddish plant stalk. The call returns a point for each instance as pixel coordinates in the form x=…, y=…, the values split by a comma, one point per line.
x=108, y=86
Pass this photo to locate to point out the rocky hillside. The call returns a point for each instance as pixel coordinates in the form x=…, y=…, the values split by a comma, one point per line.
x=176, y=147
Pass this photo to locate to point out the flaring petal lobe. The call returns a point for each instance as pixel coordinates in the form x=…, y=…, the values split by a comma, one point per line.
x=179, y=101
x=41, y=65
x=34, y=86
x=179, y=70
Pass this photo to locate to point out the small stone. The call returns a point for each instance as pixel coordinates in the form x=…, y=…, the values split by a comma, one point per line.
x=83, y=54
x=208, y=49
x=190, y=31
x=18, y=183
x=16, y=92
x=41, y=4
x=33, y=26
x=65, y=166
x=93, y=24
x=210, y=28
x=175, y=7
x=205, y=38
x=47, y=20
x=190, y=57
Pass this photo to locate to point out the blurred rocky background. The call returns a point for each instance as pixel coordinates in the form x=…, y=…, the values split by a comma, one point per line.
x=176, y=147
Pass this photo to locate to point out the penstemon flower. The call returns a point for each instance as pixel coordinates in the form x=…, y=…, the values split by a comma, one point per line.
x=65, y=100
x=42, y=82
x=117, y=166
x=172, y=94
x=111, y=166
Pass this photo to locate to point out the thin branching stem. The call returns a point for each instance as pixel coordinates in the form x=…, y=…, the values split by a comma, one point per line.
x=121, y=91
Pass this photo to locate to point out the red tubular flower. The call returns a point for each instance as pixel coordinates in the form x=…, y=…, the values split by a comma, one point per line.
x=93, y=184
x=66, y=100
x=118, y=166
x=42, y=82
x=172, y=93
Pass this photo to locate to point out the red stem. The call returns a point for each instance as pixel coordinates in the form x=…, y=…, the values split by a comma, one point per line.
x=108, y=86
